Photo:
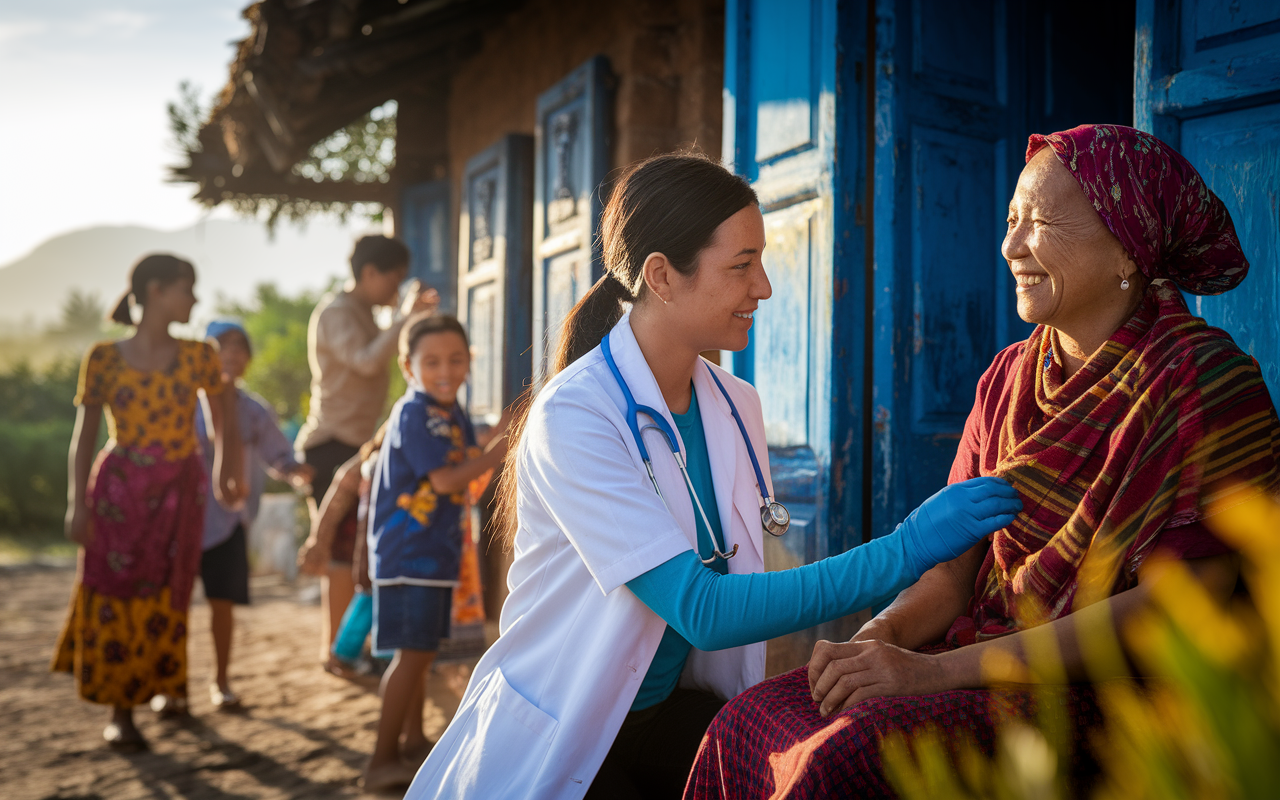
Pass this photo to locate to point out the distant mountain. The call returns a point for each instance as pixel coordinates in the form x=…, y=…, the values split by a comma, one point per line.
x=231, y=257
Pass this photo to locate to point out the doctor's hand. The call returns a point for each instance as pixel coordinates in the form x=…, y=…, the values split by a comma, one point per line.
x=957, y=518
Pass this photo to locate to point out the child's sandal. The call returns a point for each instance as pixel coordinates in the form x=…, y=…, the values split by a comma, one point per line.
x=124, y=742
x=168, y=707
x=223, y=699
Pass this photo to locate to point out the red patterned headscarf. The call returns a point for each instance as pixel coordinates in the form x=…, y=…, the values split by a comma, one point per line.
x=1155, y=203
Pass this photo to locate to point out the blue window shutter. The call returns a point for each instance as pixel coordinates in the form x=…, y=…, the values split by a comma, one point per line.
x=786, y=95
x=1207, y=74
x=570, y=162
x=949, y=117
x=424, y=226
x=494, y=272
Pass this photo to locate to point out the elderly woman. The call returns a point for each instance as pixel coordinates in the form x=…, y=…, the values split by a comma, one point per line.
x=1118, y=420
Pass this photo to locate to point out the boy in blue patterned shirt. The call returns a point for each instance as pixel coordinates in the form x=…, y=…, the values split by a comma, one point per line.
x=429, y=456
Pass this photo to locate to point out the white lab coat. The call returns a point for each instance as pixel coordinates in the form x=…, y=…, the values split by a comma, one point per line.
x=547, y=700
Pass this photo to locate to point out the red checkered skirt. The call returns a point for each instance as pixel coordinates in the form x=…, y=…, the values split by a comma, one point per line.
x=770, y=741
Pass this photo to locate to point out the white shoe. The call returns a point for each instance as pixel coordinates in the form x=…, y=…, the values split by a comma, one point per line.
x=223, y=699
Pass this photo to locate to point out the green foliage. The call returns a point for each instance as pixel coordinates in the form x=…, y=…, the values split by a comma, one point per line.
x=31, y=396
x=36, y=420
x=33, y=475
x=185, y=116
x=277, y=326
x=270, y=209
x=83, y=314
x=363, y=151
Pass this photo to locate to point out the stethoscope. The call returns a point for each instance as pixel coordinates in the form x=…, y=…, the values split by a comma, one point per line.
x=774, y=516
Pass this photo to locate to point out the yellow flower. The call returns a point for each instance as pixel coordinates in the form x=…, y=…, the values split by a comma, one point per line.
x=420, y=504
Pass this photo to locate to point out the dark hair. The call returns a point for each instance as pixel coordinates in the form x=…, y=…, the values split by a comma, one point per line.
x=383, y=252
x=160, y=267
x=425, y=323
x=670, y=204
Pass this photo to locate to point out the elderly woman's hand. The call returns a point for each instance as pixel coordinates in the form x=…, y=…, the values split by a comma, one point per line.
x=844, y=674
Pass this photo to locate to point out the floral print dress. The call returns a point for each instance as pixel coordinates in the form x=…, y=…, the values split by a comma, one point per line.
x=125, y=639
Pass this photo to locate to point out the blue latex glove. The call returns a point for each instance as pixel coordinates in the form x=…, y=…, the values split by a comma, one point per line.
x=714, y=611
x=957, y=518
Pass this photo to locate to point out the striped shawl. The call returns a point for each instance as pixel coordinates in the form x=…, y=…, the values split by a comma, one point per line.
x=1166, y=418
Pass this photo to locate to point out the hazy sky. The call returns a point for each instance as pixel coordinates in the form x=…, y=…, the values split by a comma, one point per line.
x=84, y=136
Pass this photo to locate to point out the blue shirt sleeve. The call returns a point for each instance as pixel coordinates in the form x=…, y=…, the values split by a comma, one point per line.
x=274, y=448
x=715, y=612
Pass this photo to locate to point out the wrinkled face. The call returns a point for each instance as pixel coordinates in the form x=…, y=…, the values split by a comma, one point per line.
x=717, y=301
x=1067, y=264
x=383, y=288
x=438, y=365
x=233, y=351
x=172, y=301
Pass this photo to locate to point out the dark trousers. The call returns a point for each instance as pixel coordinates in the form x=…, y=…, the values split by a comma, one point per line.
x=325, y=460
x=655, y=749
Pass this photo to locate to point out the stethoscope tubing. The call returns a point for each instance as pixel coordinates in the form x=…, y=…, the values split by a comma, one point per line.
x=660, y=424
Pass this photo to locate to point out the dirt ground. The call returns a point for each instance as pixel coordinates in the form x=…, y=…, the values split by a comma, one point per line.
x=304, y=733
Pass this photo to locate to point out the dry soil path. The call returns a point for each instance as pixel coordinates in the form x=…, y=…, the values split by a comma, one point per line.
x=304, y=733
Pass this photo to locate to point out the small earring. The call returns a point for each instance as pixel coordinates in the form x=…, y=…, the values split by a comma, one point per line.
x=1124, y=284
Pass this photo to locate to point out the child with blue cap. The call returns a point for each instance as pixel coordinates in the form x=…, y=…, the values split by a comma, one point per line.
x=224, y=566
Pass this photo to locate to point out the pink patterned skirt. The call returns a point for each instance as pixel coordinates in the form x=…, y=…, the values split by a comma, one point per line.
x=125, y=637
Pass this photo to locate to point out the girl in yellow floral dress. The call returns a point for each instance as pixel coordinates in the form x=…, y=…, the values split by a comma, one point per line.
x=137, y=510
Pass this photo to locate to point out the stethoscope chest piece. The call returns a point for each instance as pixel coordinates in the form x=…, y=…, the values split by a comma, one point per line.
x=775, y=517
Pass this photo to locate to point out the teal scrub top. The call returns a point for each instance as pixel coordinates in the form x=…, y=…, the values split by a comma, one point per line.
x=664, y=672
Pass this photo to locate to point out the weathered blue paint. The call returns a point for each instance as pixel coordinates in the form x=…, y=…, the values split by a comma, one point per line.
x=1207, y=80
x=890, y=293
x=949, y=133
x=423, y=225
x=793, y=75
x=494, y=272
x=794, y=122
x=570, y=162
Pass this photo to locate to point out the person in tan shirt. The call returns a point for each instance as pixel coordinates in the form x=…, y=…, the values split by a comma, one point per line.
x=350, y=357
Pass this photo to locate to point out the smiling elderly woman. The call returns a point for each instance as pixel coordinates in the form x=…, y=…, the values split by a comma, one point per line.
x=1118, y=421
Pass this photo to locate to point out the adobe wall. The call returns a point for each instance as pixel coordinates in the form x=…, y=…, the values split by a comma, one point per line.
x=666, y=55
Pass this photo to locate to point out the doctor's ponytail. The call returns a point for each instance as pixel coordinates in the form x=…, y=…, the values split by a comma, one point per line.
x=670, y=204
x=590, y=320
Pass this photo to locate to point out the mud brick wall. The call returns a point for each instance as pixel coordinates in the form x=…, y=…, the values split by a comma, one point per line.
x=667, y=57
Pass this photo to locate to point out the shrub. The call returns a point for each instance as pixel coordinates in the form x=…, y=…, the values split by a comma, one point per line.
x=1209, y=728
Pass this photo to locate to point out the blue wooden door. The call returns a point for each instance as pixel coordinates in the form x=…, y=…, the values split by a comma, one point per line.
x=1207, y=81
x=423, y=225
x=793, y=125
x=571, y=159
x=494, y=280
x=950, y=133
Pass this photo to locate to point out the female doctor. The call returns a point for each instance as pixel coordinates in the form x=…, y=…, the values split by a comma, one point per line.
x=638, y=604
